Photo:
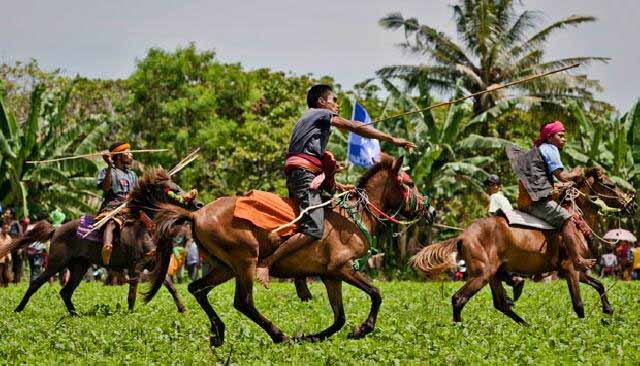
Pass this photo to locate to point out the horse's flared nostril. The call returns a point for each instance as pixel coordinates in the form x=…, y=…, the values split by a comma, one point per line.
x=199, y=205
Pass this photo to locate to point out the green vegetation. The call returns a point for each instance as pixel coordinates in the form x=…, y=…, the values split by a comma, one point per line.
x=414, y=327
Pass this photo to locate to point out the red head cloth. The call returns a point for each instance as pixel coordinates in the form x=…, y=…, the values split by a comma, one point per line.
x=549, y=130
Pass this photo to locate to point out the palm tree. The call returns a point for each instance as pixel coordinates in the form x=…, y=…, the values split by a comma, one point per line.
x=44, y=134
x=497, y=45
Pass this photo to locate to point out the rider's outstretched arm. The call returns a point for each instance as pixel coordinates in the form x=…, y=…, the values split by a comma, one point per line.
x=369, y=132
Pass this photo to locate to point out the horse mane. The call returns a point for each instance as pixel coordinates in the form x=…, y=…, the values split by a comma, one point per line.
x=141, y=195
x=384, y=164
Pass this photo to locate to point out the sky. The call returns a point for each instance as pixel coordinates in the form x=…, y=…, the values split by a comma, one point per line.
x=103, y=39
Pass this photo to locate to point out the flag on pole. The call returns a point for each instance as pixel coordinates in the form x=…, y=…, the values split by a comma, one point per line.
x=362, y=151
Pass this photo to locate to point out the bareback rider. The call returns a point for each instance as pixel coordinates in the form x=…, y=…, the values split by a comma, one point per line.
x=537, y=169
x=309, y=167
x=115, y=181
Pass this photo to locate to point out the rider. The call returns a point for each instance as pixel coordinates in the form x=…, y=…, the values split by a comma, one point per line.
x=537, y=170
x=308, y=164
x=115, y=181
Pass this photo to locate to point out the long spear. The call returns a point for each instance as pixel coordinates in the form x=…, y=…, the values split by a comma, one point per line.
x=488, y=90
x=94, y=154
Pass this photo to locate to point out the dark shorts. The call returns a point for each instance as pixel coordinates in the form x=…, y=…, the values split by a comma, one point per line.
x=549, y=211
x=312, y=223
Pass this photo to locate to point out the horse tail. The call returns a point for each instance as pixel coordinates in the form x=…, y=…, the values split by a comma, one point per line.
x=436, y=258
x=165, y=219
x=41, y=231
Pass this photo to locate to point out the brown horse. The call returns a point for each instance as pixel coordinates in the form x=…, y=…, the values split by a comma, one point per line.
x=233, y=246
x=67, y=250
x=490, y=244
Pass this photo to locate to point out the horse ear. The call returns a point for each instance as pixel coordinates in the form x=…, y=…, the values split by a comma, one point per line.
x=397, y=165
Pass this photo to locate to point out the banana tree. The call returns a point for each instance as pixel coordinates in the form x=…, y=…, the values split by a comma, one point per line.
x=46, y=133
x=613, y=143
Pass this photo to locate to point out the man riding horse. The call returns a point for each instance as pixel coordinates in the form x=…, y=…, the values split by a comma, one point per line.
x=116, y=182
x=309, y=168
x=537, y=169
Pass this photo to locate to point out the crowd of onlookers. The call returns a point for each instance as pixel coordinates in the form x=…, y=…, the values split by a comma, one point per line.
x=622, y=261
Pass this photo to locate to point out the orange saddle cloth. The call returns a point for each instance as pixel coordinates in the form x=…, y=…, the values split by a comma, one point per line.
x=267, y=211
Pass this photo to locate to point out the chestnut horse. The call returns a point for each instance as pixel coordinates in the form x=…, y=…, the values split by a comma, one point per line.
x=233, y=247
x=67, y=250
x=490, y=244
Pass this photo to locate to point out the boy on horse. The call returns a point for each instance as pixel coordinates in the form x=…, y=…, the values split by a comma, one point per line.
x=537, y=169
x=309, y=167
x=115, y=181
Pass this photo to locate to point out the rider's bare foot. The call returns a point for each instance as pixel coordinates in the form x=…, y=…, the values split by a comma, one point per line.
x=262, y=274
x=106, y=253
x=584, y=265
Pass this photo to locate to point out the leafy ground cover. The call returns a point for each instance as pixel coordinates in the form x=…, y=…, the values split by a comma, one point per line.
x=414, y=327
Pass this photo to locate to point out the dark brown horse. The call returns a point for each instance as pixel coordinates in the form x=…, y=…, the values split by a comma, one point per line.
x=67, y=250
x=490, y=244
x=233, y=246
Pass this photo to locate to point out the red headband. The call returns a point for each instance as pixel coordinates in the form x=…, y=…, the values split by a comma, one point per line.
x=549, y=130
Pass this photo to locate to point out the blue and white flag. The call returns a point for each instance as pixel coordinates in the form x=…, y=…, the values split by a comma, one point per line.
x=362, y=151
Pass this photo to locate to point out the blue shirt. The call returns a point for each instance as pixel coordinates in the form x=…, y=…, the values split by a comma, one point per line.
x=551, y=156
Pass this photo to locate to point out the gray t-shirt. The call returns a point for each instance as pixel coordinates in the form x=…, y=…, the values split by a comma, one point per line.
x=311, y=133
x=122, y=182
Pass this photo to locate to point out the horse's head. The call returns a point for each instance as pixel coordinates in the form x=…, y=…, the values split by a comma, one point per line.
x=156, y=187
x=397, y=190
x=600, y=187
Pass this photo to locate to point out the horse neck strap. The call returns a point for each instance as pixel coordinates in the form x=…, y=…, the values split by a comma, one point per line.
x=359, y=264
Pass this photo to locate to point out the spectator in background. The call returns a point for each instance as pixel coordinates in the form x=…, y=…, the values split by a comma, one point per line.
x=622, y=252
x=499, y=205
x=15, y=231
x=35, y=256
x=193, y=260
x=634, y=258
x=6, y=275
x=608, y=264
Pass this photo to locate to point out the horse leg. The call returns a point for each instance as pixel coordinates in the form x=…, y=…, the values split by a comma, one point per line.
x=174, y=293
x=334, y=292
x=77, y=269
x=574, y=290
x=598, y=286
x=243, y=300
x=358, y=280
x=302, y=289
x=500, y=300
x=464, y=294
x=199, y=289
x=34, y=286
x=134, y=279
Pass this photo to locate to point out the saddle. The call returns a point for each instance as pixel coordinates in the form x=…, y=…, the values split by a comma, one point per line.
x=267, y=211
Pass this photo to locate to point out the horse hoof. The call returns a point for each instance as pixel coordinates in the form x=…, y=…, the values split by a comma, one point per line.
x=305, y=298
x=215, y=341
x=18, y=309
x=280, y=338
x=607, y=310
x=182, y=310
x=310, y=338
x=360, y=332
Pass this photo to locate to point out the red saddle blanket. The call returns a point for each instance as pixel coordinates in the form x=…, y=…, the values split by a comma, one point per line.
x=267, y=211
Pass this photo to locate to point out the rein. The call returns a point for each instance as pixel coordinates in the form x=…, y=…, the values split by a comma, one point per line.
x=572, y=194
x=415, y=202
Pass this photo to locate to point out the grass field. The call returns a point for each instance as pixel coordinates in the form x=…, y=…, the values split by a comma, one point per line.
x=414, y=327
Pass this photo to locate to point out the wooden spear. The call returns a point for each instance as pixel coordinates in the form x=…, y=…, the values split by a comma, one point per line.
x=94, y=155
x=488, y=90
x=184, y=162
